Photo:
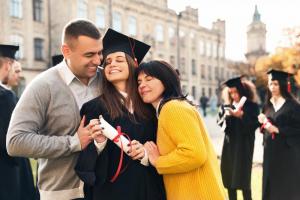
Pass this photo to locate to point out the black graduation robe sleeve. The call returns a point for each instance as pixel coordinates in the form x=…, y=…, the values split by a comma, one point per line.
x=87, y=160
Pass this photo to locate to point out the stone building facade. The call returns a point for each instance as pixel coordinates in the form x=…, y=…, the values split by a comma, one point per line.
x=198, y=52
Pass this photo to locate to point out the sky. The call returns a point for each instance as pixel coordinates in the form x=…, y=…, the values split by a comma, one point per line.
x=276, y=14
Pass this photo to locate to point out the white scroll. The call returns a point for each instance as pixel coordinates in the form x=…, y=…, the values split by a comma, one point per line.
x=110, y=132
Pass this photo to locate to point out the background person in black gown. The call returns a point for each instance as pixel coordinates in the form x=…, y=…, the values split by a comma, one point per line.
x=281, y=174
x=239, y=126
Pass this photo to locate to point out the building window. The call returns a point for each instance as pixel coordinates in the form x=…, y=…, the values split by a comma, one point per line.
x=159, y=33
x=194, y=69
x=18, y=40
x=100, y=17
x=37, y=10
x=117, y=21
x=214, y=50
x=16, y=8
x=172, y=37
x=172, y=60
x=201, y=48
x=182, y=38
x=222, y=74
x=209, y=92
x=209, y=72
x=38, y=49
x=208, y=49
x=203, y=71
x=182, y=66
x=132, y=25
x=217, y=73
x=184, y=89
x=221, y=52
x=194, y=92
x=82, y=9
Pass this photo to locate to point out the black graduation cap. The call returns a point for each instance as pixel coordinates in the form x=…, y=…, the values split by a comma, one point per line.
x=114, y=41
x=57, y=59
x=234, y=82
x=8, y=50
x=278, y=75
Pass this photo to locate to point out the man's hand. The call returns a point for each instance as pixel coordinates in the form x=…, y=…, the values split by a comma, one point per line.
x=84, y=134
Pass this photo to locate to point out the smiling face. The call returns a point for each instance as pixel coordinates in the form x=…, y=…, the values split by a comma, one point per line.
x=116, y=69
x=83, y=56
x=150, y=89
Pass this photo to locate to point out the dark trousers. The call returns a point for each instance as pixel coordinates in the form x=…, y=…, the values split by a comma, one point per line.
x=232, y=193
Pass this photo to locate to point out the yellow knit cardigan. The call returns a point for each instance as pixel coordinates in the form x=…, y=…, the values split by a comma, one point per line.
x=188, y=161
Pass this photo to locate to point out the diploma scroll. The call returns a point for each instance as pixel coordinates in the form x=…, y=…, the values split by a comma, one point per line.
x=111, y=133
x=241, y=103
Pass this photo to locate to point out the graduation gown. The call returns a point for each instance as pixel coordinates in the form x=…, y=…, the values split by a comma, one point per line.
x=238, y=146
x=16, y=180
x=281, y=166
x=136, y=182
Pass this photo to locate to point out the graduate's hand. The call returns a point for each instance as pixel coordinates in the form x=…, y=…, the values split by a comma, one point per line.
x=261, y=118
x=137, y=150
x=236, y=113
x=272, y=129
x=152, y=151
x=96, y=131
x=83, y=134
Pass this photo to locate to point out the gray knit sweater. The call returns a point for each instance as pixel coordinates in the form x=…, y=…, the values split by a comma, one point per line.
x=42, y=126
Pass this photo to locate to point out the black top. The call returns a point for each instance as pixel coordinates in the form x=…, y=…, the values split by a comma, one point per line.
x=136, y=182
x=281, y=174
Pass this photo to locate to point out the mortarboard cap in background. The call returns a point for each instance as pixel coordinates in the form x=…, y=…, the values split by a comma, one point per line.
x=57, y=59
x=234, y=82
x=278, y=75
x=114, y=41
x=8, y=50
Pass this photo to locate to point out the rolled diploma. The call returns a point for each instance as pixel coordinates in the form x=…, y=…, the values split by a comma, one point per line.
x=241, y=103
x=110, y=132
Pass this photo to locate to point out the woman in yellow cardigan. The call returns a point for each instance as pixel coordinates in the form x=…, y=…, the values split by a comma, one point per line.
x=184, y=154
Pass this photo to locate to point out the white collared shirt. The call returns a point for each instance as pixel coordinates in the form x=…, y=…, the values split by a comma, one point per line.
x=278, y=103
x=4, y=86
x=82, y=93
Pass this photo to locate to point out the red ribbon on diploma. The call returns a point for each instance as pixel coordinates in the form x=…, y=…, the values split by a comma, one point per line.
x=116, y=139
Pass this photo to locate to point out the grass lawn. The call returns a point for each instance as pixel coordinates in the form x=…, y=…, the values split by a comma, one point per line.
x=256, y=180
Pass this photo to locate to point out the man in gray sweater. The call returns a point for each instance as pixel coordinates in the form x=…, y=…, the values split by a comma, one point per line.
x=46, y=121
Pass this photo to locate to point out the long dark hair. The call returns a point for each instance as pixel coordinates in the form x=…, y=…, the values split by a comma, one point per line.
x=115, y=101
x=247, y=89
x=283, y=85
x=167, y=75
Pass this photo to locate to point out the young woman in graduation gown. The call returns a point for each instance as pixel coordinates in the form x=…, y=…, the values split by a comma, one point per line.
x=120, y=105
x=184, y=154
x=239, y=125
x=281, y=174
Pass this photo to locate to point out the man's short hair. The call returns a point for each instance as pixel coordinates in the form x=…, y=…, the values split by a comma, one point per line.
x=80, y=27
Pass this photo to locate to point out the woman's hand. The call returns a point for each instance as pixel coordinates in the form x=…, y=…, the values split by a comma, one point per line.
x=261, y=118
x=152, y=151
x=137, y=150
x=95, y=131
x=272, y=129
x=236, y=113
